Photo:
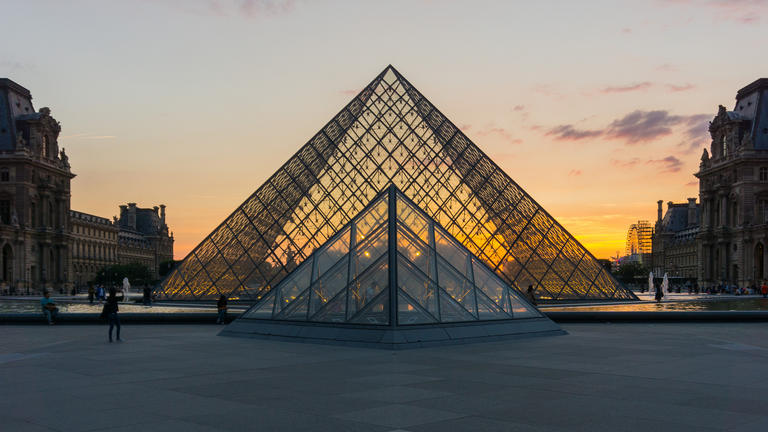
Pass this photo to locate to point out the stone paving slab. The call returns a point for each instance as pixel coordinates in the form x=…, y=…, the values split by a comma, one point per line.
x=612, y=377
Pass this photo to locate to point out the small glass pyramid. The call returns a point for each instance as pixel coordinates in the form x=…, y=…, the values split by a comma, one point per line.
x=350, y=278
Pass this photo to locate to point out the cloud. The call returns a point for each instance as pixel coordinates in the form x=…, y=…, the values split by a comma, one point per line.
x=628, y=88
x=500, y=132
x=465, y=127
x=693, y=183
x=574, y=173
x=258, y=8
x=569, y=133
x=739, y=11
x=680, y=88
x=350, y=92
x=625, y=163
x=639, y=127
x=518, y=108
x=666, y=67
x=669, y=164
x=643, y=126
x=626, y=30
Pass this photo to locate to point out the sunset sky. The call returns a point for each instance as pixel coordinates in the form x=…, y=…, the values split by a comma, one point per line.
x=597, y=108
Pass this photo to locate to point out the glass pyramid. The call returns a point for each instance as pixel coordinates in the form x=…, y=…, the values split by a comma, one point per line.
x=350, y=278
x=389, y=134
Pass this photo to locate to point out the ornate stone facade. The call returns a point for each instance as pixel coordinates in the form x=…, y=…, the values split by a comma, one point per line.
x=94, y=246
x=674, y=240
x=733, y=191
x=34, y=196
x=43, y=243
x=143, y=237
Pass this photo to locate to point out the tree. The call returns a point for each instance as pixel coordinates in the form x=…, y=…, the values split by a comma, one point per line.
x=166, y=267
x=628, y=271
x=137, y=274
x=606, y=264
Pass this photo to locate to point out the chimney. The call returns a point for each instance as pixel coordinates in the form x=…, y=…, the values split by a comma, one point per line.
x=658, y=217
x=692, y=212
x=162, y=214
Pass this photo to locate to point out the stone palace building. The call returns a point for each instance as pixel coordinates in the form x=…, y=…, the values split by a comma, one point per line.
x=43, y=243
x=733, y=192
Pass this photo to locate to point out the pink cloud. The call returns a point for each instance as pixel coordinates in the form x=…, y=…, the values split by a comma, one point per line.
x=574, y=173
x=628, y=88
x=680, y=88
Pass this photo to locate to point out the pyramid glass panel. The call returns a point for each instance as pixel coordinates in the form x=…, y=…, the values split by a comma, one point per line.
x=388, y=134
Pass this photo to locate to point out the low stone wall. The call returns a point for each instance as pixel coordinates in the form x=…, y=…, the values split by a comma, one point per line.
x=133, y=318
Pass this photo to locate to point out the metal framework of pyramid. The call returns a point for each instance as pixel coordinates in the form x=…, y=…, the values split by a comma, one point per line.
x=389, y=134
x=392, y=277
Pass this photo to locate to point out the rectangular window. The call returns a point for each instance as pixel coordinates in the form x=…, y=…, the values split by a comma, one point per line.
x=5, y=176
x=5, y=211
x=763, y=174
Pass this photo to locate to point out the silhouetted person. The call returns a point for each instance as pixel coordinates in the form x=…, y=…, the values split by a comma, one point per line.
x=147, y=295
x=91, y=294
x=49, y=308
x=110, y=310
x=222, y=306
x=530, y=295
x=659, y=294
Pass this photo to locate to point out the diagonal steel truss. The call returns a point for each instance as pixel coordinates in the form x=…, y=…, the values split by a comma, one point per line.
x=389, y=134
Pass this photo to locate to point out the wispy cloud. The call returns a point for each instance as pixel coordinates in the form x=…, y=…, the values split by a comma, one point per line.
x=250, y=9
x=739, y=11
x=500, y=132
x=574, y=173
x=570, y=133
x=350, y=92
x=639, y=127
x=669, y=164
x=627, y=88
x=680, y=88
x=625, y=163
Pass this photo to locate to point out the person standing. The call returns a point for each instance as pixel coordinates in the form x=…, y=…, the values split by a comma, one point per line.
x=147, y=295
x=50, y=311
x=222, y=306
x=110, y=312
x=91, y=293
x=530, y=295
x=659, y=294
x=764, y=290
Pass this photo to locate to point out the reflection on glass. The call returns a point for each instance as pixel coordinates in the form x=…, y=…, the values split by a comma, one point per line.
x=387, y=135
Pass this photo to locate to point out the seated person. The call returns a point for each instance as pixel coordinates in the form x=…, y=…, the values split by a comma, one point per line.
x=49, y=307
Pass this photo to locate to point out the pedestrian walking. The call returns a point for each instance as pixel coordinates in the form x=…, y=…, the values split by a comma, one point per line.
x=110, y=313
x=659, y=294
x=222, y=306
x=530, y=295
x=91, y=294
x=764, y=290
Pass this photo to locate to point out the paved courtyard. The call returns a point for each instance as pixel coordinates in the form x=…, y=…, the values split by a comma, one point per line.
x=612, y=377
